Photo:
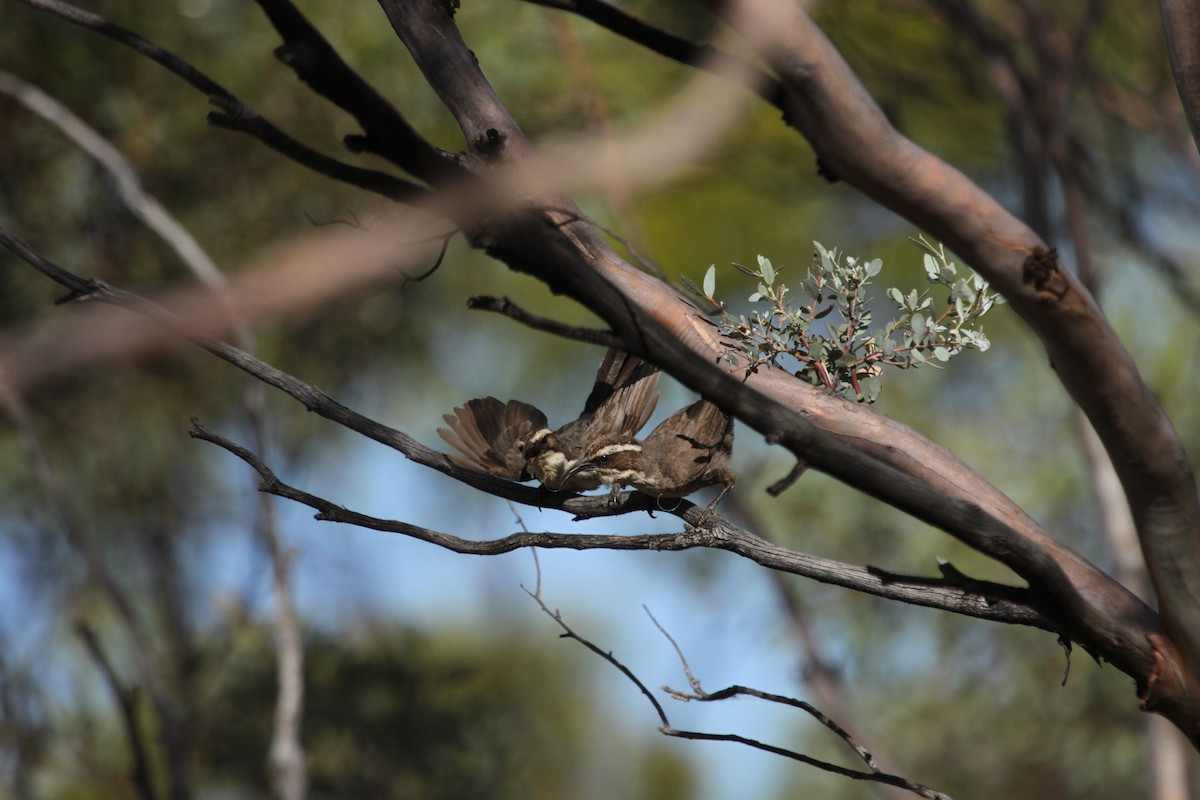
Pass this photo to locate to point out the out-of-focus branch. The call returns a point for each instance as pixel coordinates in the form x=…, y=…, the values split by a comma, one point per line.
x=233, y=114
x=287, y=755
x=129, y=187
x=82, y=539
x=20, y=732
x=126, y=700
x=1181, y=24
x=593, y=109
x=385, y=131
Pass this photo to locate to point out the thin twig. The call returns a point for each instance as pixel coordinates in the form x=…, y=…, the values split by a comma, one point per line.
x=875, y=776
x=502, y=305
x=687, y=669
x=569, y=633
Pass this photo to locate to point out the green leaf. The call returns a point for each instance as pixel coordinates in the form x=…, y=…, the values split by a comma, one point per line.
x=874, y=268
x=919, y=326
x=754, y=298
x=941, y=354
x=710, y=281
x=869, y=389
x=931, y=267
x=768, y=271
x=744, y=269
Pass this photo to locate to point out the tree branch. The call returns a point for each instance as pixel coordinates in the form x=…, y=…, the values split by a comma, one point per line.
x=668, y=45
x=502, y=305
x=385, y=132
x=996, y=602
x=850, y=133
x=1181, y=24
x=857, y=445
x=235, y=115
x=874, y=776
x=987, y=601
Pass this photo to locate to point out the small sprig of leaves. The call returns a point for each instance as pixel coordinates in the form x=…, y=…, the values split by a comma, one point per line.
x=843, y=353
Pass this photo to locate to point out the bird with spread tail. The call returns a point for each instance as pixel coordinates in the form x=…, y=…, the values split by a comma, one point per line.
x=514, y=440
x=689, y=450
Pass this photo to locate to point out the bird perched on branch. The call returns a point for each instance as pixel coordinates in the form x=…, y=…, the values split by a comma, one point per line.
x=691, y=449
x=514, y=440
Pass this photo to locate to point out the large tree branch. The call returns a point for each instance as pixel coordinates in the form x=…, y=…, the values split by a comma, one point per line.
x=951, y=592
x=1181, y=25
x=850, y=442
x=851, y=134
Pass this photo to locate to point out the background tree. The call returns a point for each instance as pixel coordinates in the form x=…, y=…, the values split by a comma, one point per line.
x=1081, y=91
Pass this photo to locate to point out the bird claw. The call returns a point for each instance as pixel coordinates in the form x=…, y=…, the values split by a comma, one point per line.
x=710, y=510
x=614, y=496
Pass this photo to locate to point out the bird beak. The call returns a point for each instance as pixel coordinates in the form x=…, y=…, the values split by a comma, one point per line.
x=578, y=466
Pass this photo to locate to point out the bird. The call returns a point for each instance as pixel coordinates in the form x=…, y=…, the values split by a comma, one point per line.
x=513, y=440
x=489, y=435
x=689, y=450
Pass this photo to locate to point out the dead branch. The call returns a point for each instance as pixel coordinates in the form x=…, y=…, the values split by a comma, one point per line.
x=502, y=305
x=874, y=776
x=996, y=602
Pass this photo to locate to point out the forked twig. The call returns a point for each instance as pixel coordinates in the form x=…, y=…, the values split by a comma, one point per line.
x=874, y=775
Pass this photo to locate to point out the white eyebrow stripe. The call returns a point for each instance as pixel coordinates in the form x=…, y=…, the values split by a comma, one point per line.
x=619, y=447
x=538, y=436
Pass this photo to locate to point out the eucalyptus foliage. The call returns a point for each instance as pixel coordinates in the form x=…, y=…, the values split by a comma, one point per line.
x=826, y=336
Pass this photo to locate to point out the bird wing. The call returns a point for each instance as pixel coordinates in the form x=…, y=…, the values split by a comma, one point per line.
x=623, y=397
x=702, y=424
x=488, y=434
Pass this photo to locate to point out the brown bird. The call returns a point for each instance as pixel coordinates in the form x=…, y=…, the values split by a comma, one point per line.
x=514, y=441
x=691, y=449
